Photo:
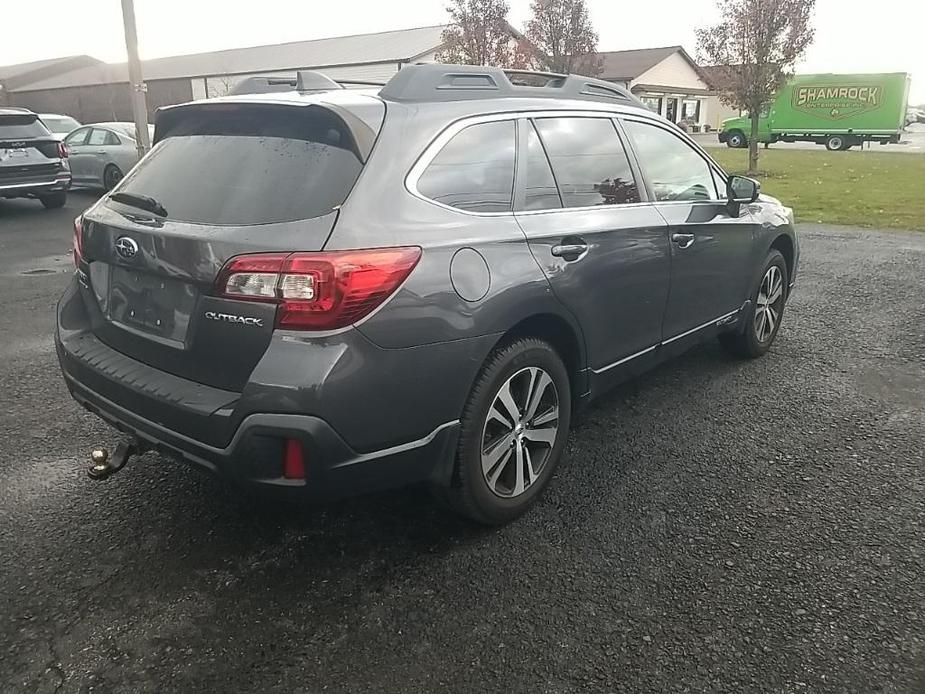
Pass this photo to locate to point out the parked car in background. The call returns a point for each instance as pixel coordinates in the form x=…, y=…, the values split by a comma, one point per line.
x=59, y=126
x=102, y=153
x=329, y=291
x=33, y=163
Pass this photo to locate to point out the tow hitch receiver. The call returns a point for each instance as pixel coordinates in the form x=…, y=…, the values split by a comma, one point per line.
x=102, y=464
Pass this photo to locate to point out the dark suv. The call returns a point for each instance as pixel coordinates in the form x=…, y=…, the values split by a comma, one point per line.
x=33, y=163
x=329, y=291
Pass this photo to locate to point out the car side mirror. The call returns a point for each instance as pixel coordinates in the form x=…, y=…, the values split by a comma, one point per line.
x=741, y=191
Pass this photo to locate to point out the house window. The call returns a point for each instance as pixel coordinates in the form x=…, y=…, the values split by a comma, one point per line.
x=691, y=110
x=653, y=103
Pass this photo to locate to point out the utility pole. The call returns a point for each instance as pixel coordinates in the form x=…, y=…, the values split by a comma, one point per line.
x=137, y=85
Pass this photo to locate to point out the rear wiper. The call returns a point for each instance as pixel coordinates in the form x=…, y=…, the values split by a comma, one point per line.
x=142, y=202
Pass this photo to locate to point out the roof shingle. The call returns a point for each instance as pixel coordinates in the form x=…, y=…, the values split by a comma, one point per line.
x=628, y=65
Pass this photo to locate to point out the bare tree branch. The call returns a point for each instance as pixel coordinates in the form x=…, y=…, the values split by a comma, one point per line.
x=758, y=42
x=561, y=31
x=479, y=34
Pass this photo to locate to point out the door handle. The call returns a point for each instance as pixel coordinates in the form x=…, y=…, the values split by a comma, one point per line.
x=569, y=251
x=683, y=240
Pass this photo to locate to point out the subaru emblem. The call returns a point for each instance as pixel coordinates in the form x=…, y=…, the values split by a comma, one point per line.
x=126, y=247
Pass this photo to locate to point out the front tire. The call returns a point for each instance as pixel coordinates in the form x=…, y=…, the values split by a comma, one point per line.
x=765, y=312
x=513, y=431
x=54, y=201
x=737, y=140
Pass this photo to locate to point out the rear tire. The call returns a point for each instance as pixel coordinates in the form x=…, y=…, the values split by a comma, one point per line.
x=765, y=312
x=505, y=458
x=112, y=174
x=835, y=143
x=54, y=201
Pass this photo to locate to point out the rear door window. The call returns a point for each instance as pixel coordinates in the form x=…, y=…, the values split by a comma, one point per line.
x=588, y=160
x=24, y=127
x=102, y=138
x=475, y=170
x=249, y=164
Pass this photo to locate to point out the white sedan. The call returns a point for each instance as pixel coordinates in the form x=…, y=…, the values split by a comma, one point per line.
x=101, y=153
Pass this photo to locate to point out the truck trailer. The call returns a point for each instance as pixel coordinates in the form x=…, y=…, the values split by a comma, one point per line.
x=838, y=111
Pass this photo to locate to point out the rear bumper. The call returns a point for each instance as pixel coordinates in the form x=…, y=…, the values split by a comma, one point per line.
x=366, y=418
x=253, y=458
x=21, y=190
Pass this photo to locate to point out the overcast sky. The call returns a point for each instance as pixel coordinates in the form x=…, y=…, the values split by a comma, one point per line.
x=888, y=38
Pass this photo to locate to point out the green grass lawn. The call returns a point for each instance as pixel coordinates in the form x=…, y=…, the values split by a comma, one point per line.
x=857, y=188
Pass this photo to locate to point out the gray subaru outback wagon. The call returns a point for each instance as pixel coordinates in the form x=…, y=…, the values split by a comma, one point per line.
x=323, y=291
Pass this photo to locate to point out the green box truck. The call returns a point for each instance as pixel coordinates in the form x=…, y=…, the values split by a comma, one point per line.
x=838, y=111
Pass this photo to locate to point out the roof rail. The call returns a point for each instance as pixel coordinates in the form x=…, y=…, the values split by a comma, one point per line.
x=438, y=82
x=301, y=80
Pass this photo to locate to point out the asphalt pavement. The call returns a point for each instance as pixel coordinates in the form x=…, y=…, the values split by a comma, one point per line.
x=717, y=526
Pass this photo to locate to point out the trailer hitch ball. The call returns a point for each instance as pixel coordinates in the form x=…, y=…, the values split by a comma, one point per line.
x=102, y=464
x=100, y=458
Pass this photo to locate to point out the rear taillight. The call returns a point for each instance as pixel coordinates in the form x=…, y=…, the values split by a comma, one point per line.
x=78, y=240
x=62, y=150
x=318, y=291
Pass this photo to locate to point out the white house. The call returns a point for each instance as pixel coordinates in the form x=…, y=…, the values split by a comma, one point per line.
x=667, y=80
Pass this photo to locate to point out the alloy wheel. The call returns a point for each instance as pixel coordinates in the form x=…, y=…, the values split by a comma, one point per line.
x=770, y=304
x=520, y=432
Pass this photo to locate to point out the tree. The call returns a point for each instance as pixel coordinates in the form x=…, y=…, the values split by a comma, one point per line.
x=478, y=34
x=561, y=31
x=220, y=85
x=758, y=41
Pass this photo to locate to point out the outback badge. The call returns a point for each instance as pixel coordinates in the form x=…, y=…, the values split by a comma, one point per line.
x=231, y=318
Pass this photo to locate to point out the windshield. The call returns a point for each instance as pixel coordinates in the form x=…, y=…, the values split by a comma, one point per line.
x=60, y=124
x=24, y=126
x=246, y=166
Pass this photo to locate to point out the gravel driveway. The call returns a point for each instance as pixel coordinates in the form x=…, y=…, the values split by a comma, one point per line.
x=718, y=526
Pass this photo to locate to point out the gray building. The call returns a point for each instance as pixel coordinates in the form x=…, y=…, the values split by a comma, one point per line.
x=665, y=79
x=100, y=91
x=15, y=76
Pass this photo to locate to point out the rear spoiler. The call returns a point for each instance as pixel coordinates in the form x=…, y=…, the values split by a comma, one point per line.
x=361, y=121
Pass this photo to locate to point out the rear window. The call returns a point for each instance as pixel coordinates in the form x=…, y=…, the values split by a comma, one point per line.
x=25, y=126
x=60, y=125
x=233, y=165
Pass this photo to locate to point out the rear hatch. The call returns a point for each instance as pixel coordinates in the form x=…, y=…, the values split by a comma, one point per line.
x=223, y=179
x=28, y=152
